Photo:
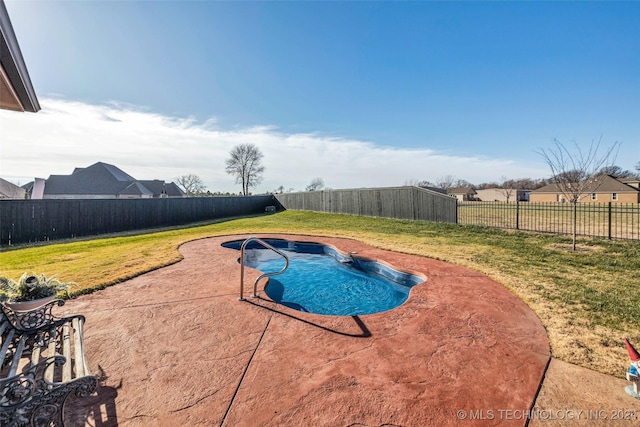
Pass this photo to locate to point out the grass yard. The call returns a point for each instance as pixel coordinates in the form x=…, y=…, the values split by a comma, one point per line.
x=588, y=300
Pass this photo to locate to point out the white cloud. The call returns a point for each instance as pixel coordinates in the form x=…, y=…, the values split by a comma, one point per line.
x=68, y=134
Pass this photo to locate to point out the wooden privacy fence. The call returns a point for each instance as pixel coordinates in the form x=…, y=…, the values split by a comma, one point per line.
x=26, y=221
x=604, y=220
x=396, y=202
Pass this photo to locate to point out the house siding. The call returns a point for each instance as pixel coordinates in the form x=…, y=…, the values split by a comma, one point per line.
x=542, y=197
x=586, y=198
x=500, y=195
x=603, y=187
x=625, y=198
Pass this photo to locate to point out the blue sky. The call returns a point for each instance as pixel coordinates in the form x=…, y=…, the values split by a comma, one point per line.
x=358, y=93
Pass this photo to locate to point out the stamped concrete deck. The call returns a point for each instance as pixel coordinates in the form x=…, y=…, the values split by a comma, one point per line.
x=175, y=347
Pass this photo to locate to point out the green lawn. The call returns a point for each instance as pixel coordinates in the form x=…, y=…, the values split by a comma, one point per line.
x=588, y=300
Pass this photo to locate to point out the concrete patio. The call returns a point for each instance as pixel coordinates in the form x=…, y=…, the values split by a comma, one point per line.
x=176, y=347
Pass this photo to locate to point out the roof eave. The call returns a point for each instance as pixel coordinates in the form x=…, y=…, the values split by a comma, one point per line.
x=13, y=64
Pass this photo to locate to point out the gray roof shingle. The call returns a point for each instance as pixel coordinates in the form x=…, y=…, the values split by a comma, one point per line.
x=105, y=180
x=98, y=179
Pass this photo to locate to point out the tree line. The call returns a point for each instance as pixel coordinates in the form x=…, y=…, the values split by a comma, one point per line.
x=450, y=181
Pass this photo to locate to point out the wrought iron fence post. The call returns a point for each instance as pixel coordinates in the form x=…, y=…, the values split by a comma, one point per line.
x=609, y=221
x=517, y=214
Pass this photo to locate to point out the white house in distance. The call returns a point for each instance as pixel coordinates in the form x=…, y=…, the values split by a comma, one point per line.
x=102, y=181
x=502, y=195
x=463, y=194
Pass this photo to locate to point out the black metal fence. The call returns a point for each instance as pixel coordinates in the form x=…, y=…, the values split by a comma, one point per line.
x=604, y=220
x=26, y=221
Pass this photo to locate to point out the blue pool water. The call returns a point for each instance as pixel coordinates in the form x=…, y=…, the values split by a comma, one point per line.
x=318, y=282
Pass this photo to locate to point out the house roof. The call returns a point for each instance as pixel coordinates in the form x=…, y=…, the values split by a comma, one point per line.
x=155, y=185
x=173, y=190
x=633, y=182
x=461, y=190
x=9, y=190
x=117, y=173
x=436, y=189
x=16, y=90
x=160, y=187
x=104, y=179
x=99, y=178
x=602, y=184
x=136, y=189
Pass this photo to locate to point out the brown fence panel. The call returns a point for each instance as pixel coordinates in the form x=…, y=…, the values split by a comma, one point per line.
x=396, y=202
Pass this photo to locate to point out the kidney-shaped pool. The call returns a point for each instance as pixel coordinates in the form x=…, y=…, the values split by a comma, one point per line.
x=322, y=280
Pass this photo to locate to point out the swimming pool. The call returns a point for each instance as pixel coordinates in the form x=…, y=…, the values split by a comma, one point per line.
x=322, y=280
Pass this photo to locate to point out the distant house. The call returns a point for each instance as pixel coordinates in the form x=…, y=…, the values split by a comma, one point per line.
x=632, y=182
x=603, y=189
x=9, y=190
x=501, y=195
x=463, y=194
x=162, y=188
x=104, y=181
x=35, y=189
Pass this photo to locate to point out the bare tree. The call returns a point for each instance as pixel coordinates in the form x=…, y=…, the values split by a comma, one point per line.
x=575, y=172
x=245, y=165
x=191, y=184
x=446, y=182
x=423, y=184
x=507, y=189
x=617, y=172
x=485, y=185
x=530, y=184
x=517, y=184
x=316, y=184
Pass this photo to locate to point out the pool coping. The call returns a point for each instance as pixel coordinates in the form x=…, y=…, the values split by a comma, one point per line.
x=386, y=272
